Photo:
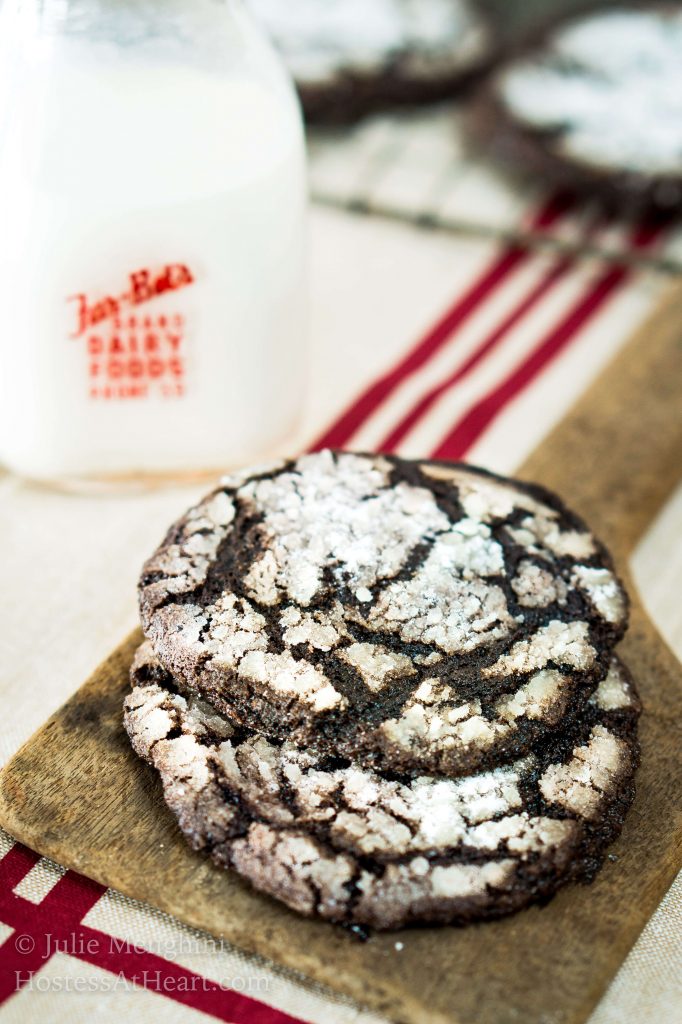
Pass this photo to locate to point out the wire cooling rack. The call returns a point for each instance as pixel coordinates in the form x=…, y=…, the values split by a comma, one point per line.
x=417, y=167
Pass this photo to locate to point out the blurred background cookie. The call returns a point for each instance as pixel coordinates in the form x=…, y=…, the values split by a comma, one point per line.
x=352, y=56
x=597, y=105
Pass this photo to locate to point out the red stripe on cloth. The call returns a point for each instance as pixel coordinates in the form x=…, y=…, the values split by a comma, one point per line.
x=473, y=424
x=421, y=408
x=70, y=898
x=15, y=865
x=55, y=925
x=509, y=260
x=37, y=927
x=178, y=983
x=21, y=955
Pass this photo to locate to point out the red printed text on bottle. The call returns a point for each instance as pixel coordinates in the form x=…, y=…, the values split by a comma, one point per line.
x=130, y=353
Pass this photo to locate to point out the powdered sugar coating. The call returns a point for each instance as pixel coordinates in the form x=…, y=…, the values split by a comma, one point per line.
x=582, y=784
x=342, y=515
x=615, y=692
x=377, y=664
x=182, y=562
x=536, y=587
x=327, y=592
x=563, y=643
x=603, y=591
x=608, y=91
x=306, y=830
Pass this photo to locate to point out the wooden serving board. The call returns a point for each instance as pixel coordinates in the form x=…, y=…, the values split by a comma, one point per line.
x=77, y=793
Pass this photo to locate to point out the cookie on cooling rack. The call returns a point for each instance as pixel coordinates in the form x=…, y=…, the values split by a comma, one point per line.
x=331, y=838
x=598, y=105
x=348, y=57
x=414, y=616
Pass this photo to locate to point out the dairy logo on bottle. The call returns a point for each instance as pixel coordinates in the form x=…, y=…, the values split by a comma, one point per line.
x=134, y=352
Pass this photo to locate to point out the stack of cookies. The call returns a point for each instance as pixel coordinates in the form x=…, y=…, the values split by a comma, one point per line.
x=384, y=691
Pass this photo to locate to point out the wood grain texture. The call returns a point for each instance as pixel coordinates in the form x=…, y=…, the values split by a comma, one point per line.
x=77, y=793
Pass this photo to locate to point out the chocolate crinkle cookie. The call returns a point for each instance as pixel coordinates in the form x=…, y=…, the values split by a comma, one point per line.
x=349, y=57
x=413, y=616
x=598, y=104
x=332, y=838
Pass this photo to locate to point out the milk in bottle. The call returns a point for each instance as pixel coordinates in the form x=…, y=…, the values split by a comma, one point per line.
x=152, y=193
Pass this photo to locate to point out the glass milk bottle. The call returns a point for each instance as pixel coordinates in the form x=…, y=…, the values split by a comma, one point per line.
x=152, y=194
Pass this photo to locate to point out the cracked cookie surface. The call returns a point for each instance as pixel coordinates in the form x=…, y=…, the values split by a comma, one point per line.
x=414, y=616
x=330, y=838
